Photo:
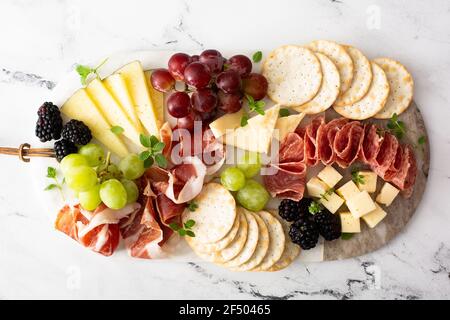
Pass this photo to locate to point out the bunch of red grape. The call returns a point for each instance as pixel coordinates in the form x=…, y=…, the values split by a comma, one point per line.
x=217, y=85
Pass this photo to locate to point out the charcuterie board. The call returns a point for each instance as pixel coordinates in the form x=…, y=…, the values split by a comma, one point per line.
x=366, y=241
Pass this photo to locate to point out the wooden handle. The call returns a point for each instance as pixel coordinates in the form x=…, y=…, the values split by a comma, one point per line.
x=24, y=152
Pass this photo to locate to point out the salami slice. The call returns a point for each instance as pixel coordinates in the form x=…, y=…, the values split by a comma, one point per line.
x=288, y=182
x=406, y=175
x=347, y=143
x=371, y=144
x=395, y=165
x=311, y=156
x=325, y=140
x=385, y=156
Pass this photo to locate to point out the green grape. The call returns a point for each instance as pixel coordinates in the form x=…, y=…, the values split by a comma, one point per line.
x=132, y=167
x=232, y=179
x=90, y=199
x=250, y=164
x=71, y=161
x=132, y=190
x=81, y=178
x=113, y=194
x=94, y=154
x=253, y=196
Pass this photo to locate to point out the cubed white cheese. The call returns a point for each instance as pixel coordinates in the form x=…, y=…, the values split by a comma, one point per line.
x=370, y=181
x=332, y=202
x=360, y=204
x=349, y=223
x=316, y=187
x=330, y=176
x=387, y=194
x=348, y=190
x=374, y=217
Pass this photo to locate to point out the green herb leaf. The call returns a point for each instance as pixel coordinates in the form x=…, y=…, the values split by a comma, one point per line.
x=329, y=192
x=314, y=207
x=144, y=155
x=117, y=130
x=161, y=160
x=174, y=226
x=257, y=56
x=347, y=236
x=158, y=147
x=84, y=72
x=190, y=233
x=244, y=120
x=258, y=107
x=145, y=140
x=51, y=172
x=249, y=99
x=148, y=162
x=396, y=127
x=284, y=112
x=189, y=224
x=50, y=187
x=182, y=232
x=357, y=178
x=421, y=140
x=153, y=140
x=192, y=206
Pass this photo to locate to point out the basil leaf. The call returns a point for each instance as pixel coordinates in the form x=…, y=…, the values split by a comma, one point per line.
x=158, y=147
x=161, y=160
x=144, y=155
x=257, y=56
x=153, y=140
x=145, y=140
x=117, y=130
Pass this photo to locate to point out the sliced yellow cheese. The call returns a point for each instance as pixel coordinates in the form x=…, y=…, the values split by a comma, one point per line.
x=349, y=223
x=256, y=136
x=331, y=201
x=230, y=121
x=316, y=187
x=117, y=86
x=348, y=190
x=286, y=125
x=81, y=107
x=133, y=75
x=360, y=204
x=112, y=110
x=330, y=176
x=156, y=96
x=370, y=181
x=387, y=194
x=375, y=216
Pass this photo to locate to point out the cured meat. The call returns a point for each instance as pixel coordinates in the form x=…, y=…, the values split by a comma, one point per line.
x=288, y=177
x=395, y=165
x=385, y=156
x=347, y=143
x=326, y=135
x=371, y=144
x=406, y=175
x=310, y=141
x=168, y=210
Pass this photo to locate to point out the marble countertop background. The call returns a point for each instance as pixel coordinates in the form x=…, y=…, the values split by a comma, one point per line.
x=42, y=40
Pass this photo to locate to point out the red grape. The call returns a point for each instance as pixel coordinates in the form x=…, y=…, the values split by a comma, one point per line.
x=188, y=121
x=229, y=102
x=179, y=104
x=197, y=75
x=241, y=64
x=177, y=64
x=195, y=58
x=229, y=81
x=162, y=80
x=213, y=59
x=206, y=116
x=204, y=100
x=255, y=85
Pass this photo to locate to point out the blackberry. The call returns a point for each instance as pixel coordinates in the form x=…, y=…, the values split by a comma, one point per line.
x=49, y=123
x=77, y=132
x=63, y=148
x=304, y=232
x=329, y=225
x=291, y=210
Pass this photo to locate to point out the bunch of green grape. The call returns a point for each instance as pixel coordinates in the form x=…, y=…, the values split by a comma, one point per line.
x=95, y=180
x=249, y=193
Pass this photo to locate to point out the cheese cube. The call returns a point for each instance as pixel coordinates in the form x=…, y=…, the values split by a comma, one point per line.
x=349, y=223
x=387, y=194
x=360, y=204
x=332, y=202
x=370, y=181
x=374, y=217
x=348, y=190
x=316, y=187
x=330, y=176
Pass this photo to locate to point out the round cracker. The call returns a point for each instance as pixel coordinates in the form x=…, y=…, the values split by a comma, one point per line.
x=294, y=75
x=373, y=101
x=261, y=248
x=291, y=250
x=250, y=245
x=219, y=245
x=236, y=246
x=215, y=214
x=402, y=88
x=362, y=78
x=340, y=58
x=329, y=90
x=277, y=241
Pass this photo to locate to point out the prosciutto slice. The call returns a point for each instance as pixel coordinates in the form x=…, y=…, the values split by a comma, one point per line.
x=326, y=135
x=347, y=143
x=288, y=180
x=310, y=141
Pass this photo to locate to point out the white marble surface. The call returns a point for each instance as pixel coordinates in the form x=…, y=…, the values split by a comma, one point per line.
x=40, y=42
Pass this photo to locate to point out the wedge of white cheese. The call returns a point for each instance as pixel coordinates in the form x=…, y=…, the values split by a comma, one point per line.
x=156, y=96
x=287, y=125
x=229, y=121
